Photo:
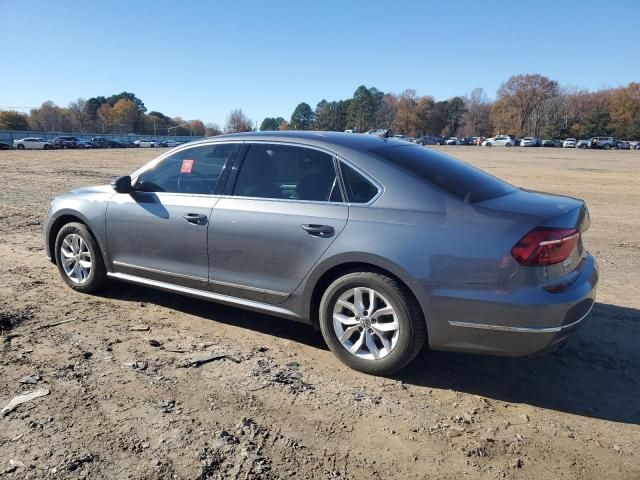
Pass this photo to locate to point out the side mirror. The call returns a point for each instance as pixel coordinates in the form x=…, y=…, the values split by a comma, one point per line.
x=122, y=184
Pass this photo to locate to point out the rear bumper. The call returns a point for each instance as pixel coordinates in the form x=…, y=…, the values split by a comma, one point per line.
x=519, y=323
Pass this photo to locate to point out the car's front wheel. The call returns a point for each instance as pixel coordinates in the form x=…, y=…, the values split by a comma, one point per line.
x=20, y=146
x=371, y=322
x=79, y=258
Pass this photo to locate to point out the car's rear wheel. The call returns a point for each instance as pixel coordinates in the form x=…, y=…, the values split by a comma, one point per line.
x=507, y=144
x=371, y=322
x=79, y=258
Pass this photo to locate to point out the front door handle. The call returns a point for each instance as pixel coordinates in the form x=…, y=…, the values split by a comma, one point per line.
x=195, y=218
x=323, y=231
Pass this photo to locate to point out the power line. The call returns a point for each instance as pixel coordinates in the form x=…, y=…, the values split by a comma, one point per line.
x=5, y=107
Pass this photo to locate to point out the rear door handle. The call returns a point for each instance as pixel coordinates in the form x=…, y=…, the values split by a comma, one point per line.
x=323, y=231
x=195, y=218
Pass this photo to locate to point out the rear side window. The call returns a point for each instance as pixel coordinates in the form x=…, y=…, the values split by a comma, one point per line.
x=287, y=172
x=454, y=176
x=359, y=189
x=194, y=170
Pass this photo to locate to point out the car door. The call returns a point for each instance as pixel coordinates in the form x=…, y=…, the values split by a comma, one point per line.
x=283, y=209
x=159, y=231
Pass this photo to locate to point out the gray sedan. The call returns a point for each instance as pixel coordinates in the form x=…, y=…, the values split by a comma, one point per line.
x=381, y=244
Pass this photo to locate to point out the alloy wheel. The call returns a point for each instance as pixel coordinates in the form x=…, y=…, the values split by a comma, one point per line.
x=76, y=258
x=365, y=323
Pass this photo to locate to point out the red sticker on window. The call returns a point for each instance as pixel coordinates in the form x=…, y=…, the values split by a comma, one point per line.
x=187, y=166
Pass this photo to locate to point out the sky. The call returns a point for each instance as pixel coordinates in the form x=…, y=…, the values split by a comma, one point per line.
x=202, y=59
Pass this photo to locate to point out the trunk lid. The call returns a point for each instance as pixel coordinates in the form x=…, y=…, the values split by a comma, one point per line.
x=538, y=210
x=552, y=210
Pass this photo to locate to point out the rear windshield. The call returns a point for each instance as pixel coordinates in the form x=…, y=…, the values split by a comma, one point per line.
x=454, y=176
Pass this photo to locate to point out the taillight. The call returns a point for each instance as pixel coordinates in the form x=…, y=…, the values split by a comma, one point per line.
x=545, y=246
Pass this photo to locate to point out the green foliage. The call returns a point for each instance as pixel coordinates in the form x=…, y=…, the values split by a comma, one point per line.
x=92, y=106
x=362, y=109
x=271, y=124
x=331, y=116
x=635, y=127
x=113, y=99
x=12, y=120
x=302, y=117
x=595, y=125
x=161, y=116
x=456, y=108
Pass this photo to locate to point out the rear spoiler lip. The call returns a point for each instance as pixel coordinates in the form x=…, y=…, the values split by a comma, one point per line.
x=540, y=209
x=577, y=218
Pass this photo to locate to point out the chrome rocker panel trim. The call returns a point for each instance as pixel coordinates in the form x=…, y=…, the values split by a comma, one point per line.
x=194, y=292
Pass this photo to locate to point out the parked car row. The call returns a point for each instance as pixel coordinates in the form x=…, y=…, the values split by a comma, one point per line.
x=605, y=143
x=71, y=142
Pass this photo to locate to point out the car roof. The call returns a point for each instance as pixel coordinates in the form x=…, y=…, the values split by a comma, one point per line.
x=361, y=142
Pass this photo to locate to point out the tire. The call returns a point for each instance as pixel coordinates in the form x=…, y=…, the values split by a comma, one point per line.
x=96, y=277
x=402, y=343
x=606, y=146
x=507, y=145
x=488, y=145
x=46, y=147
x=20, y=146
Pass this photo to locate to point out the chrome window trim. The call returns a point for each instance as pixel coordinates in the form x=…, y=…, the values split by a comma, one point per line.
x=176, y=194
x=505, y=328
x=333, y=154
x=286, y=200
x=134, y=176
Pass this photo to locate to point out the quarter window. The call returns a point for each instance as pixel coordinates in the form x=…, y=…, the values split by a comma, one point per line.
x=359, y=189
x=287, y=172
x=194, y=170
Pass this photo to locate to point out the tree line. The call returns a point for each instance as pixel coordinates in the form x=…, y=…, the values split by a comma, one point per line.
x=525, y=105
x=121, y=113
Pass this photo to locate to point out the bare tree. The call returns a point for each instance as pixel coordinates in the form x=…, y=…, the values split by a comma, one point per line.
x=405, y=117
x=237, y=121
x=526, y=96
x=48, y=117
x=386, y=113
x=477, y=120
x=78, y=116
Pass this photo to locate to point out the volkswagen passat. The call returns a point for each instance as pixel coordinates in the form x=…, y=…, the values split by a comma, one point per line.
x=380, y=243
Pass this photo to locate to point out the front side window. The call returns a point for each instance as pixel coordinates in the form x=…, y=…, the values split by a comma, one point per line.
x=287, y=172
x=359, y=189
x=194, y=170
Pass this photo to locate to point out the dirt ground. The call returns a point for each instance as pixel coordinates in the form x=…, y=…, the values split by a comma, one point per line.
x=122, y=402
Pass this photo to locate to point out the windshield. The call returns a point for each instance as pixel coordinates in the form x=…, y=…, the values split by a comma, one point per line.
x=468, y=183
